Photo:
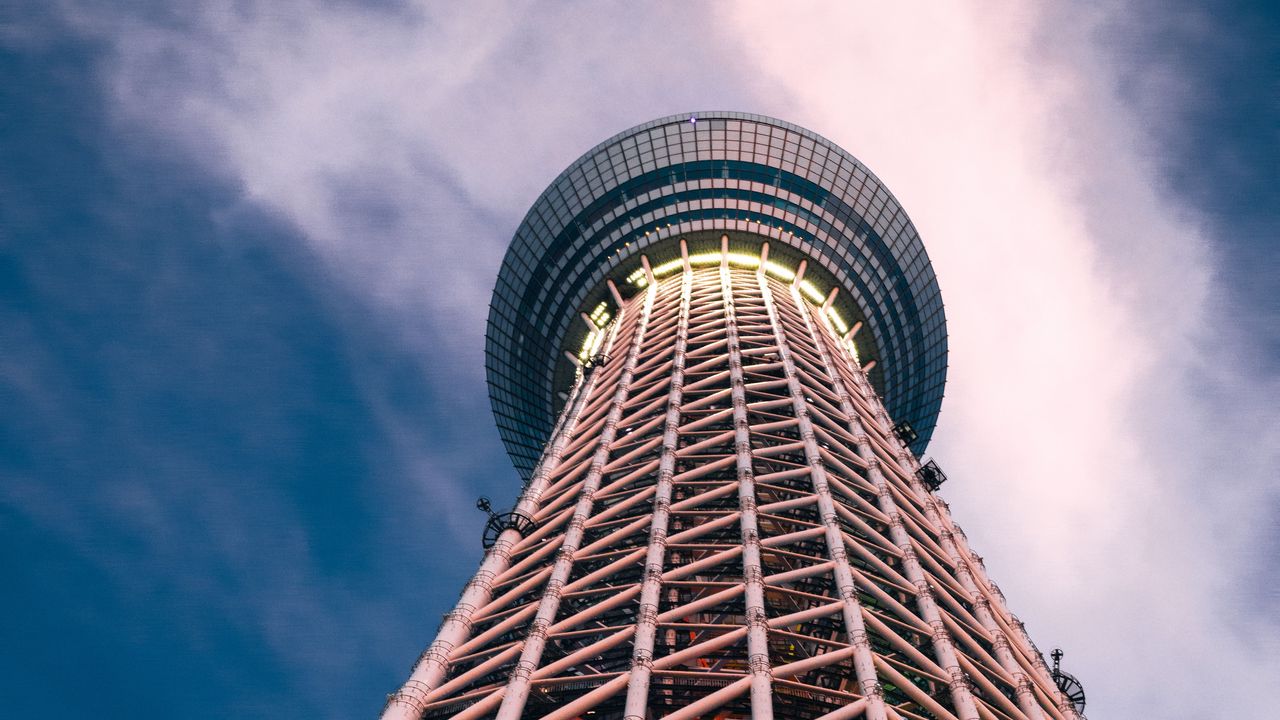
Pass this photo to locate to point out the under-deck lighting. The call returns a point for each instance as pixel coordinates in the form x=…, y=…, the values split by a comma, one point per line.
x=812, y=292
x=739, y=260
x=853, y=349
x=841, y=326
x=600, y=316
x=781, y=272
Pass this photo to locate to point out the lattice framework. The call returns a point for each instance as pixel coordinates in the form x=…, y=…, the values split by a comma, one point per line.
x=727, y=527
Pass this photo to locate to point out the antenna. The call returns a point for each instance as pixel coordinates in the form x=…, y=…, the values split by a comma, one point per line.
x=499, y=523
x=1067, y=683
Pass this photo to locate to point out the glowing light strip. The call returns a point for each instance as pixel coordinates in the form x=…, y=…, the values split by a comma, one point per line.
x=853, y=349
x=600, y=316
x=591, y=345
x=841, y=326
x=782, y=273
x=741, y=260
x=812, y=292
x=585, y=352
x=667, y=268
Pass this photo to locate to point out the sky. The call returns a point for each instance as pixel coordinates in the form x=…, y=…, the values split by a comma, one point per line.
x=246, y=250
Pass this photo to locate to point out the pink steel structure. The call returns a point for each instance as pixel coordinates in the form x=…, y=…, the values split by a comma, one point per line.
x=725, y=524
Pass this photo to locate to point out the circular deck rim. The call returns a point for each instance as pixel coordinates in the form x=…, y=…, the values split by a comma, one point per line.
x=868, y=244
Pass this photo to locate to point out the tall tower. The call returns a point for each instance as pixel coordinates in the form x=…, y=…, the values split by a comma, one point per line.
x=715, y=349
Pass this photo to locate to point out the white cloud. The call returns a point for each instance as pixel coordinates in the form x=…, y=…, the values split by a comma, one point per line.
x=1087, y=461
x=405, y=143
x=343, y=120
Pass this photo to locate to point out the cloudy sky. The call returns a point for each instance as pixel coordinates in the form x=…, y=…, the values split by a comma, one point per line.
x=246, y=250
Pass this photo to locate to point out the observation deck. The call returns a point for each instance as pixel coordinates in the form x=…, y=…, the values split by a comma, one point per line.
x=699, y=176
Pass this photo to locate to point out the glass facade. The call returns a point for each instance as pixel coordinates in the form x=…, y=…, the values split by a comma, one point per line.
x=727, y=172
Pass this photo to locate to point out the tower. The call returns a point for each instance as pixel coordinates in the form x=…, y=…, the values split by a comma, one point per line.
x=715, y=349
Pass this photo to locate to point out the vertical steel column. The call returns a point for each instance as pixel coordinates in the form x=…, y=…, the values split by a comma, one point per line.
x=753, y=575
x=863, y=660
x=651, y=587
x=408, y=702
x=961, y=695
x=517, y=691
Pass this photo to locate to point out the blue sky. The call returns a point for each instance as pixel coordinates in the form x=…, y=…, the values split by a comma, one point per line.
x=245, y=254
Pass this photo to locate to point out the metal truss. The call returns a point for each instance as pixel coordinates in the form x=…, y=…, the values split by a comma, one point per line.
x=725, y=525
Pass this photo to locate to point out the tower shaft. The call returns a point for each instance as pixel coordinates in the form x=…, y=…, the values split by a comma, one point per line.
x=727, y=526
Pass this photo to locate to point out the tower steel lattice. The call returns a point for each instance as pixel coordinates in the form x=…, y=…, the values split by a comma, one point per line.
x=724, y=521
